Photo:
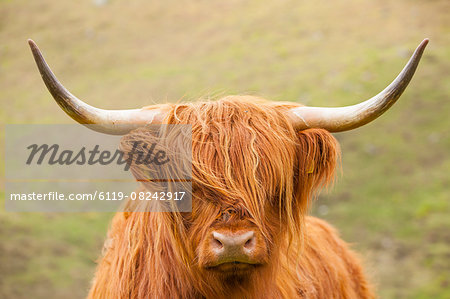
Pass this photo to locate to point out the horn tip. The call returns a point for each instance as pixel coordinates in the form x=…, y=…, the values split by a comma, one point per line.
x=424, y=43
x=421, y=47
x=32, y=44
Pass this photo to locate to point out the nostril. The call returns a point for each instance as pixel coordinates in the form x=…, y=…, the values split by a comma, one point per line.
x=216, y=243
x=250, y=243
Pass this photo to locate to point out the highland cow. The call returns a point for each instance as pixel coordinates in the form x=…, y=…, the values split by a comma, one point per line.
x=256, y=166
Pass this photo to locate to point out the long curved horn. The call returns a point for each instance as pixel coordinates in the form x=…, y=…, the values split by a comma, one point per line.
x=114, y=122
x=350, y=117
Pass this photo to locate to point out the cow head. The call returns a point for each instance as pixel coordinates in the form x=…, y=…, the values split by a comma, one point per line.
x=255, y=166
x=253, y=175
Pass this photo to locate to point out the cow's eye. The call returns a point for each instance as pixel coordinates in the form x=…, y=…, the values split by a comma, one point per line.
x=225, y=216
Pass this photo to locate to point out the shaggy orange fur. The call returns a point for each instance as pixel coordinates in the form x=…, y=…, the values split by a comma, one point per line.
x=250, y=164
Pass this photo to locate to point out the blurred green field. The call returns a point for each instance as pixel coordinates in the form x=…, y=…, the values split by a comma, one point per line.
x=392, y=201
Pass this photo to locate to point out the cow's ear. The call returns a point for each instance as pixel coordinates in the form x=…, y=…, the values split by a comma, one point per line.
x=317, y=156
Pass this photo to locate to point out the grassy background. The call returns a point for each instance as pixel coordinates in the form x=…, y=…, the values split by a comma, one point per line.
x=392, y=201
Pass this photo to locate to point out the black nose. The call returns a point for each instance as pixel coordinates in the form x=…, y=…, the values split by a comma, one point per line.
x=233, y=246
